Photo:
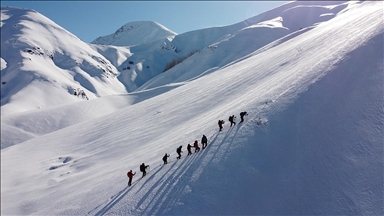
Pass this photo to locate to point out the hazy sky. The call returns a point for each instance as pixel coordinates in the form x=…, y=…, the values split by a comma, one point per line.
x=91, y=19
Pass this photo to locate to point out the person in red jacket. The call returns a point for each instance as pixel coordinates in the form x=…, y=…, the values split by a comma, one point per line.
x=196, y=145
x=130, y=175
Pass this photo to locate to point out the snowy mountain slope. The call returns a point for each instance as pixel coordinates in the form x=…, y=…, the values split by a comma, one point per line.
x=219, y=54
x=34, y=123
x=140, y=63
x=230, y=42
x=42, y=58
x=54, y=61
x=23, y=126
x=134, y=33
x=240, y=43
x=116, y=55
x=319, y=150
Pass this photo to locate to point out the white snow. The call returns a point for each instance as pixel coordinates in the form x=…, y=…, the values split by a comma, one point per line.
x=134, y=33
x=312, y=143
x=45, y=59
x=3, y=64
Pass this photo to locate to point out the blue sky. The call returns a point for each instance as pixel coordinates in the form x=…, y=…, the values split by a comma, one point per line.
x=91, y=19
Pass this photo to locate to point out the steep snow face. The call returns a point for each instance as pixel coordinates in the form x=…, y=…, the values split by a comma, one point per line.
x=311, y=144
x=230, y=42
x=41, y=58
x=229, y=49
x=134, y=33
x=147, y=59
x=141, y=66
x=236, y=42
x=116, y=55
x=53, y=61
x=303, y=16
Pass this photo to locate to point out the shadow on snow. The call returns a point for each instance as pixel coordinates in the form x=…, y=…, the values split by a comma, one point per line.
x=168, y=183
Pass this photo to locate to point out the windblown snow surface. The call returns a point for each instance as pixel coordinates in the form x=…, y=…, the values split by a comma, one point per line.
x=312, y=143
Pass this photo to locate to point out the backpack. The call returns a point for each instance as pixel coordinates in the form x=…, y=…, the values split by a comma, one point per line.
x=130, y=175
x=142, y=168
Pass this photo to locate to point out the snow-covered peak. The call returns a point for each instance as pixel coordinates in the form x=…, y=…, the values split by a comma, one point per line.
x=311, y=144
x=39, y=57
x=134, y=33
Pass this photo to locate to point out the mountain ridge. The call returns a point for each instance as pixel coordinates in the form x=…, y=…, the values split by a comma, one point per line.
x=311, y=143
x=134, y=33
x=101, y=70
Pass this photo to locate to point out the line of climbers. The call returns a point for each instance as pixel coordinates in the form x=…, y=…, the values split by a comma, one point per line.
x=204, y=142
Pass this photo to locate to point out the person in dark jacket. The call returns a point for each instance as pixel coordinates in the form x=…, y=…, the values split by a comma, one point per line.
x=232, y=120
x=179, y=151
x=165, y=158
x=221, y=122
x=189, y=149
x=242, y=114
x=142, y=169
x=130, y=175
x=196, y=146
x=204, y=141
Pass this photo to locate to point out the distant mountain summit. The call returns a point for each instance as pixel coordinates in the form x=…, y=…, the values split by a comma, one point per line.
x=39, y=57
x=134, y=33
